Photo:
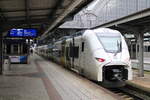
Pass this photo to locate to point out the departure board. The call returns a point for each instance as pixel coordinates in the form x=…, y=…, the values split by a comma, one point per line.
x=23, y=33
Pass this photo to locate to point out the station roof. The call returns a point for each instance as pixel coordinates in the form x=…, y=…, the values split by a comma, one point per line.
x=136, y=21
x=44, y=15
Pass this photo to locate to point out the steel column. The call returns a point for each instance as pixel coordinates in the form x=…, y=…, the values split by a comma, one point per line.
x=140, y=57
x=136, y=51
x=1, y=53
x=132, y=55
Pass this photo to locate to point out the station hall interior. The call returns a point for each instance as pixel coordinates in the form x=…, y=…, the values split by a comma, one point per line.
x=75, y=50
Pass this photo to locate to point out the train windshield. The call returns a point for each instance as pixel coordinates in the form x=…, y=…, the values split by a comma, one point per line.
x=111, y=43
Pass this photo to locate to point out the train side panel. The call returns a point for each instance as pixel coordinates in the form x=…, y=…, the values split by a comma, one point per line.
x=89, y=65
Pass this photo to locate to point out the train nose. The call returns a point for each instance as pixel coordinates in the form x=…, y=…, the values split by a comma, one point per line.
x=115, y=73
x=114, y=57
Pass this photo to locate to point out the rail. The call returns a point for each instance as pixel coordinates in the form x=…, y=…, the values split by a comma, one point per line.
x=131, y=93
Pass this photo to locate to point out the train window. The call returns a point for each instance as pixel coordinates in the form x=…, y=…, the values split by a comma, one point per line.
x=71, y=52
x=76, y=52
x=82, y=46
x=148, y=48
x=67, y=56
x=111, y=43
x=145, y=48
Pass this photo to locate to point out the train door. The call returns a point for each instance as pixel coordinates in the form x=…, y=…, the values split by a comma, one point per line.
x=71, y=60
x=71, y=53
x=76, y=49
x=74, y=53
x=67, y=54
x=82, y=56
x=68, y=45
x=63, y=50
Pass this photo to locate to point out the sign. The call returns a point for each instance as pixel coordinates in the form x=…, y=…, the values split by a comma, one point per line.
x=18, y=59
x=23, y=33
x=14, y=59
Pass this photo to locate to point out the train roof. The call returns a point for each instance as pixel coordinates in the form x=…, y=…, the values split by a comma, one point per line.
x=104, y=31
x=101, y=31
x=107, y=32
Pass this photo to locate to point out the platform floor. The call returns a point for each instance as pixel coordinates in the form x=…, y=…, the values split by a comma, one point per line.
x=142, y=83
x=44, y=80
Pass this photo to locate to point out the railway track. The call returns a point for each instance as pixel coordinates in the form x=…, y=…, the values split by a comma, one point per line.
x=131, y=93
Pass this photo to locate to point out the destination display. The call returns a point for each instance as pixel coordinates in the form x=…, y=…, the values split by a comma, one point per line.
x=23, y=33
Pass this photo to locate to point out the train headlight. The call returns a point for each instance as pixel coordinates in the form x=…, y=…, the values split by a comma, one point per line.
x=100, y=59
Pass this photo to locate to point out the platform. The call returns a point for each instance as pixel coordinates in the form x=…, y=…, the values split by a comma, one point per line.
x=142, y=83
x=44, y=80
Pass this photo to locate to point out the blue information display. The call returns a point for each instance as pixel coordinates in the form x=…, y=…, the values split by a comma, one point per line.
x=23, y=33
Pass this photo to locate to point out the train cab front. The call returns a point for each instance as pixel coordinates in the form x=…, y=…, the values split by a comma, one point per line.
x=114, y=76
